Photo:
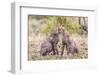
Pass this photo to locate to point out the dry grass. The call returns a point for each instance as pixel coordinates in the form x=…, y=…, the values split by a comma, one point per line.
x=36, y=40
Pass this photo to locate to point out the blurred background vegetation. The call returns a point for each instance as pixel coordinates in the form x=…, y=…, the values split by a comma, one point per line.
x=73, y=24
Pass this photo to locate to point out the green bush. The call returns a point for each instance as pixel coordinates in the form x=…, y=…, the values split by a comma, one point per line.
x=70, y=24
x=51, y=25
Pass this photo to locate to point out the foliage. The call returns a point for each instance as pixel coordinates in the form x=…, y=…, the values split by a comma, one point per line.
x=70, y=24
x=51, y=25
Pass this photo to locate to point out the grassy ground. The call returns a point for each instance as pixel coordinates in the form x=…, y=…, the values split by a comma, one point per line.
x=36, y=40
